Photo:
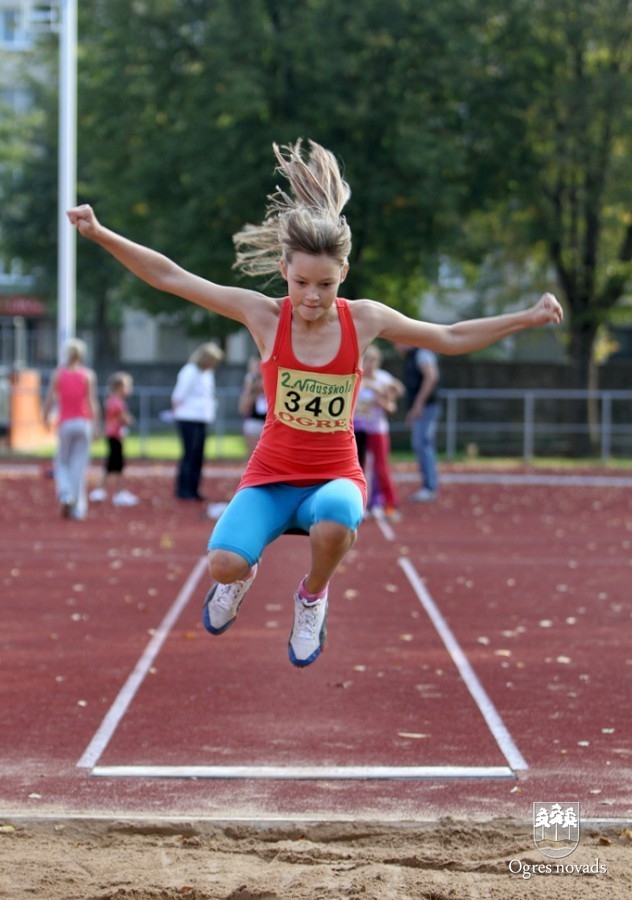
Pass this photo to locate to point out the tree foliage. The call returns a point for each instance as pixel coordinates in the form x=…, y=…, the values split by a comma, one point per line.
x=465, y=128
x=188, y=101
x=569, y=183
x=28, y=171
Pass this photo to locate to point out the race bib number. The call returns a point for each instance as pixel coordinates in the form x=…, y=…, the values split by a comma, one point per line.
x=314, y=402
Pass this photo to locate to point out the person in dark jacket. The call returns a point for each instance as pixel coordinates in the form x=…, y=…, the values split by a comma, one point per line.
x=421, y=380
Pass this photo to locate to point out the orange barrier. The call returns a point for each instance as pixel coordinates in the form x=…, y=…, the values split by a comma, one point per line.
x=26, y=427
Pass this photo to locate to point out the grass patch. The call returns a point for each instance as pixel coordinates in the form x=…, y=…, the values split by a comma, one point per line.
x=164, y=447
x=167, y=447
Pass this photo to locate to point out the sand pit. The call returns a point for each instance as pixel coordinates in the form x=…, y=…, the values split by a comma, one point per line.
x=110, y=860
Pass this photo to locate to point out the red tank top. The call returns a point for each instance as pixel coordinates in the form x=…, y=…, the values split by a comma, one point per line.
x=72, y=391
x=308, y=433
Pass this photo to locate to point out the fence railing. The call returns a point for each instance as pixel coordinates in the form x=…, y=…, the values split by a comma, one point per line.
x=509, y=422
x=539, y=418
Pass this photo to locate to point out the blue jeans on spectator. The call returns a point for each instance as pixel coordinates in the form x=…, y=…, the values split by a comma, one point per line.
x=423, y=440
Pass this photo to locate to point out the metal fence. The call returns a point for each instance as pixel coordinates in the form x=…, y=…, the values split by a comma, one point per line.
x=508, y=422
x=529, y=423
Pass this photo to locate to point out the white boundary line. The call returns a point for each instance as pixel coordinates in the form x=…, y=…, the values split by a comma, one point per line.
x=541, y=479
x=490, y=714
x=298, y=773
x=162, y=470
x=110, y=723
x=385, y=527
x=127, y=693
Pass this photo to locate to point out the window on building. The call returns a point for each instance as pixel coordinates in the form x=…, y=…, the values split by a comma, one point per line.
x=11, y=31
x=17, y=99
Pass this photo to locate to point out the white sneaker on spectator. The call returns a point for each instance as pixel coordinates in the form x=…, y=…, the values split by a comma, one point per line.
x=424, y=496
x=125, y=498
x=98, y=495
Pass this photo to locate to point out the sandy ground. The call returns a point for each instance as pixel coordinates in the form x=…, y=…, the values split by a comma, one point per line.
x=103, y=860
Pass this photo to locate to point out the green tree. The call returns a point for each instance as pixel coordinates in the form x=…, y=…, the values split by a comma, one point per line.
x=569, y=179
x=27, y=173
x=181, y=101
x=28, y=190
x=514, y=113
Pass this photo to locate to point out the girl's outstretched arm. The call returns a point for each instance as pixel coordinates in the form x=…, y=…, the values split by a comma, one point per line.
x=163, y=274
x=377, y=320
x=464, y=337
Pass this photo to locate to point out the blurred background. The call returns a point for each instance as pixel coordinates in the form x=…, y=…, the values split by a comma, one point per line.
x=487, y=144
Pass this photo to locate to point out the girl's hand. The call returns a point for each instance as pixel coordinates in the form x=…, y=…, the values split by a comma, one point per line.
x=84, y=220
x=547, y=311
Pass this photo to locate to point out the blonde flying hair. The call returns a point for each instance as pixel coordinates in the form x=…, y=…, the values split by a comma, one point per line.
x=307, y=219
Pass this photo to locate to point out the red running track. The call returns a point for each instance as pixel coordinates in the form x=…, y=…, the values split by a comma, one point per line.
x=478, y=659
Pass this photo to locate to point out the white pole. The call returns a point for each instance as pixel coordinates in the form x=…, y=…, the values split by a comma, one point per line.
x=66, y=256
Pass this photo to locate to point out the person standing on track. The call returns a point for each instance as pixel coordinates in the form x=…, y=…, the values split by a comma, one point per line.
x=421, y=378
x=72, y=390
x=117, y=421
x=304, y=472
x=194, y=407
x=253, y=406
x=377, y=400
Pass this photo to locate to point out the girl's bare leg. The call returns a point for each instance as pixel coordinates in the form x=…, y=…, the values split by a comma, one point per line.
x=226, y=566
x=330, y=543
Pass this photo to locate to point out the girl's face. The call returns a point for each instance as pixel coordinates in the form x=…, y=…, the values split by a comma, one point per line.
x=313, y=283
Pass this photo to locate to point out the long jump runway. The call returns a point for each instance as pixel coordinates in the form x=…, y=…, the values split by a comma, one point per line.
x=478, y=659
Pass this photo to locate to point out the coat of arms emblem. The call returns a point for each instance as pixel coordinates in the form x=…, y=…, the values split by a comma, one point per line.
x=556, y=827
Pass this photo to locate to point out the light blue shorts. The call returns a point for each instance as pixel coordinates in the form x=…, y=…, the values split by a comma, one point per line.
x=256, y=516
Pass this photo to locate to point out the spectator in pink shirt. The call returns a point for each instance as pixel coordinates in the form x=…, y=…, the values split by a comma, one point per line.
x=72, y=391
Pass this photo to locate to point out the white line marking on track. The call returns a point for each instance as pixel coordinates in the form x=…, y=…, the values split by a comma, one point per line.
x=385, y=528
x=125, y=697
x=535, y=478
x=303, y=772
x=485, y=705
x=127, y=693
x=8, y=469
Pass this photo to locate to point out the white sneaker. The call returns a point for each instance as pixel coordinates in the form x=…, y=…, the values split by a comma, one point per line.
x=125, y=498
x=98, y=495
x=309, y=632
x=424, y=496
x=223, y=601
